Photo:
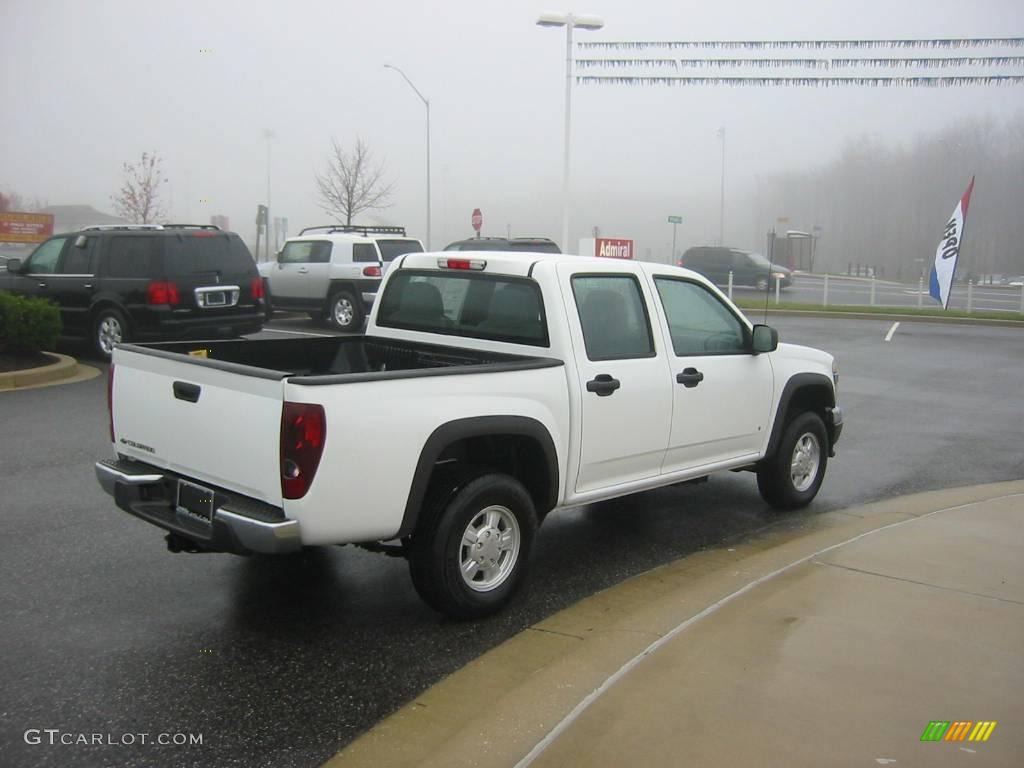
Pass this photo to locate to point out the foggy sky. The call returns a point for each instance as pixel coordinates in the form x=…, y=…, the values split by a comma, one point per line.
x=87, y=86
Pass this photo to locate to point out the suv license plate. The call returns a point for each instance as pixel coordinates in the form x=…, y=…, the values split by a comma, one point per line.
x=215, y=299
x=195, y=500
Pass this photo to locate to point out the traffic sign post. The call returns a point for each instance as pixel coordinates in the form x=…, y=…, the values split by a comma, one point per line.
x=478, y=221
x=674, y=221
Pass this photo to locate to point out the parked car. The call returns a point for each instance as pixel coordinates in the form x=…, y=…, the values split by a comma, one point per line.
x=715, y=263
x=332, y=272
x=115, y=283
x=497, y=388
x=528, y=244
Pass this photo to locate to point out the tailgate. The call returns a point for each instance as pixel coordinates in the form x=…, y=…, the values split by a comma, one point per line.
x=214, y=425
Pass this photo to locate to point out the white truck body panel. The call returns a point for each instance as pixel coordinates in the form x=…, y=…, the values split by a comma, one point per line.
x=360, y=494
x=227, y=438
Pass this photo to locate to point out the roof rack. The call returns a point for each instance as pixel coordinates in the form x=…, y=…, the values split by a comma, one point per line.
x=192, y=226
x=357, y=229
x=97, y=227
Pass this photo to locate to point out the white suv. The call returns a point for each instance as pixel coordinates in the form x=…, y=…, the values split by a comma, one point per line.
x=333, y=271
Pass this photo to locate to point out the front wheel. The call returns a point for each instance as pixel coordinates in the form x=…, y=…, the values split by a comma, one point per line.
x=791, y=478
x=108, y=330
x=470, y=551
x=762, y=284
x=343, y=312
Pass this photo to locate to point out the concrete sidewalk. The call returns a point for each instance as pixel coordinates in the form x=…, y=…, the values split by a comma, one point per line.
x=833, y=643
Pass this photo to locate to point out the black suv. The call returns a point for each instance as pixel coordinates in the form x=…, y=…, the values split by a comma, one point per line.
x=715, y=263
x=528, y=244
x=144, y=282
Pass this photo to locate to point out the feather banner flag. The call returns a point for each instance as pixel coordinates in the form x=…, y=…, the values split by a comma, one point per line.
x=946, y=255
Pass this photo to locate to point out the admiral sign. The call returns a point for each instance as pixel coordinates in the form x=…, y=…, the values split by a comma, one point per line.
x=608, y=247
x=18, y=227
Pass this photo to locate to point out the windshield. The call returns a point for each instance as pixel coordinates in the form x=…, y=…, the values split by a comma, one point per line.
x=392, y=249
x=473, y=305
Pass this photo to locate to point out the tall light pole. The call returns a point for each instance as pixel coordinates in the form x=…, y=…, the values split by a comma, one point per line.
x=268, y=135
x=721, y=203
x=569, y=21
x=426, y=103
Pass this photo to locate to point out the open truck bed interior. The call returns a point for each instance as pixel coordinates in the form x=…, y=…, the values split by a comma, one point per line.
x=338, y=359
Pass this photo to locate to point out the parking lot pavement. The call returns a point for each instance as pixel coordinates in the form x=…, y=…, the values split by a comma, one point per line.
x=838, y=647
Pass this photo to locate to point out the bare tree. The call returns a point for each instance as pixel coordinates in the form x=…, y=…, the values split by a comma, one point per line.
x=352, y=183
x=139, y=198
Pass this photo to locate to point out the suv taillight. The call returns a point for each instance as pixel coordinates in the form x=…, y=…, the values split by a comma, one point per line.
x=162, y=292
x=256, y=286
x=303, y=433
x=371, y=271
x=110, y=400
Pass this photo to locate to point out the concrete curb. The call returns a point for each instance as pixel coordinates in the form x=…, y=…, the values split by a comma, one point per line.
x=66, y=370
x=499, y=707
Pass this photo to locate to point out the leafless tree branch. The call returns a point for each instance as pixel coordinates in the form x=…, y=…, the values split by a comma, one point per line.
x=352, y=183
x=139, y=198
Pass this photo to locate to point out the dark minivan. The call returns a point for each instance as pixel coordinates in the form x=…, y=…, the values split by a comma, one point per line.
x=144, y=282
x=715, y=263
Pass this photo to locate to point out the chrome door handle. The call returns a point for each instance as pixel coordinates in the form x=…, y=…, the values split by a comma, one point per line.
x=303, y=271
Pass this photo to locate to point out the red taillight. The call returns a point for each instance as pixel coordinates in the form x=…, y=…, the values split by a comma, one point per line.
x=458, y=263
x=203, y=233
x=474, y=264
x=303, y=432
x=256, y=286
x=371, y=271
x=110, y=400
x=162, y=292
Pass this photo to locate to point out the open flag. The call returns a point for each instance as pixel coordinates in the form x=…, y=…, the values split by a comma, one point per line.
x=941, y=282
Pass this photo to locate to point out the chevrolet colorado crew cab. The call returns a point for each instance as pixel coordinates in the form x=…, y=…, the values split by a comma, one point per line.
x=497, y=388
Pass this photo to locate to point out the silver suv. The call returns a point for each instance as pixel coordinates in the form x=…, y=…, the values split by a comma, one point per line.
x=333, y=271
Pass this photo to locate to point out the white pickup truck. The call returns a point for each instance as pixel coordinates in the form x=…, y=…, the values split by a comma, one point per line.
x=490, y=390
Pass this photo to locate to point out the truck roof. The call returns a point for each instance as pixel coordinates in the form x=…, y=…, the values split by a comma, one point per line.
x=521, y=263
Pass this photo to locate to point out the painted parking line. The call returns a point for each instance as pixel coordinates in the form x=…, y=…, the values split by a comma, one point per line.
x=298, y=333
x=888, y=336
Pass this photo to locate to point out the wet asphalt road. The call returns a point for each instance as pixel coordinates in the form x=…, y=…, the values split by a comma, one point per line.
x=282, y=662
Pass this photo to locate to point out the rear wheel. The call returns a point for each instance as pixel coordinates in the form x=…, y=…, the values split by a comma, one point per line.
x=791, y=478
x=470, y=551
x=109, y=328
x=343, y=312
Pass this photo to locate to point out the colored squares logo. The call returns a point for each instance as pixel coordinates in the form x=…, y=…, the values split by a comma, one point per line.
x=958, y=730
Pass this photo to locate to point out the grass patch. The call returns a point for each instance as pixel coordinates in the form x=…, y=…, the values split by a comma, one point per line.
x=753, y=305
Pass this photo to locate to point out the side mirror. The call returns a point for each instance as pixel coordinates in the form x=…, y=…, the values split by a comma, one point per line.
x=764, y=339
x=14, y=266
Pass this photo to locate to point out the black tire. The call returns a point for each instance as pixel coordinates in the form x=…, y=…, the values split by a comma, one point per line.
x=344, y=312
x=316, y=317
x=109, y=327
x=438, y=549
x=785, y=486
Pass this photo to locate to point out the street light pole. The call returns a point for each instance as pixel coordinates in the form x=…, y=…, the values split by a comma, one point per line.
x=426, y=103
x=721, y=201
x=569, y=21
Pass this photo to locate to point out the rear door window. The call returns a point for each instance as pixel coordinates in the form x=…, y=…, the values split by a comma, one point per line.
x=79, y=260
x=131, y=256
x=363, y=252
x=613, y=317
x=306, y=252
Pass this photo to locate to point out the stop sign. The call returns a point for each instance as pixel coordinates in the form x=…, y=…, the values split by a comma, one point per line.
x=478, y=219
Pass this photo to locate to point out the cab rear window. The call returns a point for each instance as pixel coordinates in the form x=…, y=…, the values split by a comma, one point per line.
x=498, y=308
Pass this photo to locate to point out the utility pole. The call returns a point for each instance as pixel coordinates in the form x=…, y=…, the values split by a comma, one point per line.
x=721, y=202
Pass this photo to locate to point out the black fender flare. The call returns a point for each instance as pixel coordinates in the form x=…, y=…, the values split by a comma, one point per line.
x=477, y=426
x=796, y=383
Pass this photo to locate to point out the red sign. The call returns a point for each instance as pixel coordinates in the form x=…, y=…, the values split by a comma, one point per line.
x=613, y=248
x=478, y=219
x=25, y=227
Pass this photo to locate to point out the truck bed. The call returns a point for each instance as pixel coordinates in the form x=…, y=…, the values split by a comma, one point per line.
x=337, y=360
